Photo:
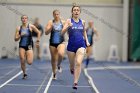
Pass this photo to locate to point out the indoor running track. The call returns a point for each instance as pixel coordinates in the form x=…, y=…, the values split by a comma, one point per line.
x=107, y=77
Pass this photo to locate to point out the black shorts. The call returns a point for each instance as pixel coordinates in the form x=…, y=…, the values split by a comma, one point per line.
x=54, y=45
x=26, y=48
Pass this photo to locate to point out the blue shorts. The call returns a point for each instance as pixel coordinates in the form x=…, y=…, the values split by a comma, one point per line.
x=74, y=47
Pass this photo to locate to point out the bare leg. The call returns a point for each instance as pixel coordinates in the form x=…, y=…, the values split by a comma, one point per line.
x=38, y=52
x=79, y=59
x=89, y=52
x=71, y=56
x=54, y=58
x=22, y=60
x=29, y=56
x=61, y=51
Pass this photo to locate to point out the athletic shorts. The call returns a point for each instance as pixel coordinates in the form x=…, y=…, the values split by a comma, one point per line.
x=26, y=48
x=75, y=47
x=54, y=45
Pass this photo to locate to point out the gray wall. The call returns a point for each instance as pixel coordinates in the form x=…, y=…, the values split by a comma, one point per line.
x=67, y=1
x=9, y=20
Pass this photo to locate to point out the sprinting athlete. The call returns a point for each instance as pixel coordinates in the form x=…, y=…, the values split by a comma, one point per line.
x=24, y=34
x=77, y=42
x=57, y=46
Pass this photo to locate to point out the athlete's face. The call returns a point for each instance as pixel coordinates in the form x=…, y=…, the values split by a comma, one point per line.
x=56, y=15
x=24, y=19
x=76, y=12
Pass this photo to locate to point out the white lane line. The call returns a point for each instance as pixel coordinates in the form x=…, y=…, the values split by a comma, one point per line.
x=49, y=83
x=40, y=68
x=91, y=81
x=8, y=73
x=38, y=90
x=8, y=67
x=24, y=85
x=27, y=85
x=117, y=68
x=114, y=67
x=129, y=79
x=102, y=68
x=2, y=85
x=69, y=86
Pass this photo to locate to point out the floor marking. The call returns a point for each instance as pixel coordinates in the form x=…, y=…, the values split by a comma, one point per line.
x=117, y=68
x=91, y=81
x=8, y=67
x=26, y=85
x=49, y=83
x=129, y=78
x=2, y=85
x=8, y=73
x=38, y=90
x=114, y=67
x=69, y=86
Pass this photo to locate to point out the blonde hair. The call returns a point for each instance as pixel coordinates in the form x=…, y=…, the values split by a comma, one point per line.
x=56, y=10
x=23, y=16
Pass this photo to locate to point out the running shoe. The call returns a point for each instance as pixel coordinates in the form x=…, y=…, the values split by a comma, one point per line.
x=24, y=76
x=54, y=76
x=75, y=86
x=59, y=69
x=72, y=71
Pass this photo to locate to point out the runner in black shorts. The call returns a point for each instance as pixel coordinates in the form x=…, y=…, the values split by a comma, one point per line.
x=57, y=46
x=24, y=34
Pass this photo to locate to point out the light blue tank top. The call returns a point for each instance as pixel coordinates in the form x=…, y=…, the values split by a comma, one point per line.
x=27, y=38
x=56, y=36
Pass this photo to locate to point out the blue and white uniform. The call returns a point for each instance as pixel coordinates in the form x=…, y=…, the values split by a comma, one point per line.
x=26, y=41
x=76, y=37
x=56, y=38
